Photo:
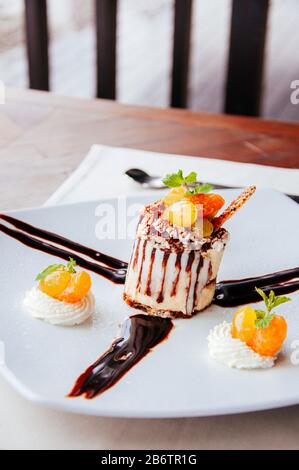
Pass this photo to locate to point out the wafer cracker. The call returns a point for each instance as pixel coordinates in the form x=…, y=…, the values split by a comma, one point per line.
x=234, y=206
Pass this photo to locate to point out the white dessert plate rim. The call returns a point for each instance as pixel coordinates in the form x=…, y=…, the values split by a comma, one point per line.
x=115, y=412
x=19, y=374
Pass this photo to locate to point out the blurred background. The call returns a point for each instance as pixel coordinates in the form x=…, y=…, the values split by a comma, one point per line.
x=144, y=48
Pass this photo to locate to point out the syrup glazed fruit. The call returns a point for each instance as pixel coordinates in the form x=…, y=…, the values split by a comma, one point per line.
x=188, y=203
x=243, y=325
x=268, y=341
x=182, y=213
x=211, y=203
x=64, y=283
x=264, y=332
x=175, y=195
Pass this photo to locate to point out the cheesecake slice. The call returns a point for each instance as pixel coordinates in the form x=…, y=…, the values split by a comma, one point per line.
x=172, y=272
x=180, y=241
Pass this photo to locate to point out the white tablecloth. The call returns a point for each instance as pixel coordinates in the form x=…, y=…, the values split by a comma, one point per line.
x=25, y=425
x=101, y=174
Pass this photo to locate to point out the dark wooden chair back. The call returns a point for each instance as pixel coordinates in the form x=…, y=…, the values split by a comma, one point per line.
x=245, y=63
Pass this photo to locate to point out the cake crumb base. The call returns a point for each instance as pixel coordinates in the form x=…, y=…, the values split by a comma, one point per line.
x=159, y=313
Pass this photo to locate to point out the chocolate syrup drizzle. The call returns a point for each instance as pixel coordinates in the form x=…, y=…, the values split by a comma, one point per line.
x=136, y=254
x=240, y=292
x=200, y=265
x=178, y=266
x=140, y=333
x=160, y=297
x=150, y=272
x=188, y=271
x=115, y=270
x=138, y=286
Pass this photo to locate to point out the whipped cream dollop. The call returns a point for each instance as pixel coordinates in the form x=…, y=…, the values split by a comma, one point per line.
x=41, y=305
x=233, y=352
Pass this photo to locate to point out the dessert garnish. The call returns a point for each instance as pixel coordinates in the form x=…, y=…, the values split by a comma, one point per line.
x=254, y=338
x=264, y=331
x=64, y=282
x=188, y=202
x=178, y=249
x=189, y=205
x=63, y=295
x=234, y=206
x=177, y=180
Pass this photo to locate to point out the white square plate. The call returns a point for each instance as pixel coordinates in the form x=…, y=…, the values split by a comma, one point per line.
x=178, y=378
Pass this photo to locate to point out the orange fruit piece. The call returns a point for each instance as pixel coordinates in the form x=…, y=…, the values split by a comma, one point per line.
x=175, y=195
x=203, y=227
x=208, y=228
x=182, y=213
x=268, y=341
x=211, y=203
x=55, y=283
x=77, y=288
x=243, y=324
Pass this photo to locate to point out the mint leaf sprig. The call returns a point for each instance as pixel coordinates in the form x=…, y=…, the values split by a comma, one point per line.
x=203, y=188
x=174, y=180
x=272, y=301
x=70, y=267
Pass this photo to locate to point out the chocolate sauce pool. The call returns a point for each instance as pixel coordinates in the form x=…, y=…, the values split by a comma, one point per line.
x=140, y=333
